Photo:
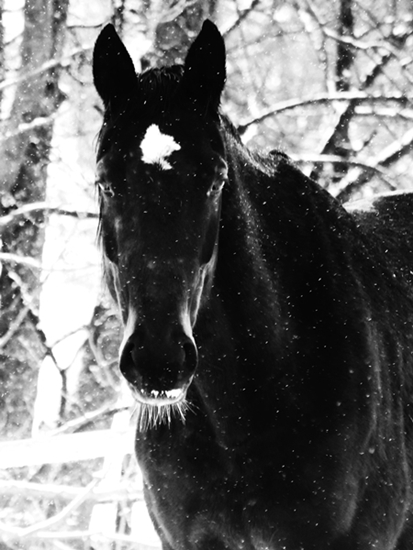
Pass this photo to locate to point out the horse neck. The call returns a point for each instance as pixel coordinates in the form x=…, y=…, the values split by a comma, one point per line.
x=284, y=297
x=246, y=279
x=283, y=244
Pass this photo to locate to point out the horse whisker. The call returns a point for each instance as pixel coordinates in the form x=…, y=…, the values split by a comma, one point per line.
x=150, y=416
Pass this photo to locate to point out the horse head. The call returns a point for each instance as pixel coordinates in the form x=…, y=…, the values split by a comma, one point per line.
x=161, y=171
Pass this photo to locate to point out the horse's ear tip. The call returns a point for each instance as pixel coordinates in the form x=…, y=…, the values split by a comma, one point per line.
x=113, y=70
x=107, y=36
x=109, y=27
x=208, y=24
x=107, y=31
x=210, y=27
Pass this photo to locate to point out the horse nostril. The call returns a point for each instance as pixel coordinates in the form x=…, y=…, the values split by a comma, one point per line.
x=127, y=363
x=191, y=356
x=158, y=364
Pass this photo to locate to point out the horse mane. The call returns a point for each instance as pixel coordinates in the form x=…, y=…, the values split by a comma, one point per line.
x=157, y=88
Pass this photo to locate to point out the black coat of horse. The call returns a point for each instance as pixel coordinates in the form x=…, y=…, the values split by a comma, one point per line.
x=268, y=330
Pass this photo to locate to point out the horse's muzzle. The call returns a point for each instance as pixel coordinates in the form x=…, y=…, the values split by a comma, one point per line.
x=159, y=370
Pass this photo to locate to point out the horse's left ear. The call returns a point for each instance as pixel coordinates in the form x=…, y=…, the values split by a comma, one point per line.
x=204, y=74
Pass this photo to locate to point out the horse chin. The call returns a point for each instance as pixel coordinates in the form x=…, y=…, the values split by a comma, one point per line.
x=160, y=398
x=155, y=408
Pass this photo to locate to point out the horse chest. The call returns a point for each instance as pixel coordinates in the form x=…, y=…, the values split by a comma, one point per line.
x=197, y=490
x=201, y=494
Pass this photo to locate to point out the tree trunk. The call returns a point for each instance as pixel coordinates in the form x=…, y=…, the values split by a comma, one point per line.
x=25, y=152
x=338, y=143
x=172, y=27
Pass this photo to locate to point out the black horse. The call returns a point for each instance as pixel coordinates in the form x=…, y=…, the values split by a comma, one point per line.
x=268, y=330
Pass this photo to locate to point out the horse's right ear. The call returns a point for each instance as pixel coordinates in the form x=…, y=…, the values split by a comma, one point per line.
x=113, y=71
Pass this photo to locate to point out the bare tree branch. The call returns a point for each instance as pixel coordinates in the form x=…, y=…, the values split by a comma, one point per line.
x=9, y=257
x=10, y=533
x=370, y=168
x=27, y=209
x=118, y=493
x=358, y=177
x=326, y=98
x=61, y=62
x=242, y=15
x=14, y=326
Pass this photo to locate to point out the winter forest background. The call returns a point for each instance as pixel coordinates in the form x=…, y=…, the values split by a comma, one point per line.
x=330, y=82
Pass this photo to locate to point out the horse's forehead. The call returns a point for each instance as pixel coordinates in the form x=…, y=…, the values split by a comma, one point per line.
x=175, y=144
x=156, y=147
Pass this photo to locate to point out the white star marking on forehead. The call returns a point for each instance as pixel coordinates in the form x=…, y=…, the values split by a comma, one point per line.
x=156, y=147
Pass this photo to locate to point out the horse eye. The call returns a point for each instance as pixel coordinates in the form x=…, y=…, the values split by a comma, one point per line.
x=216, y=187
x=106, y=188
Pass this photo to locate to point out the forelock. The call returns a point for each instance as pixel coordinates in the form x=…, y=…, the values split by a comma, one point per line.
x=156, y=94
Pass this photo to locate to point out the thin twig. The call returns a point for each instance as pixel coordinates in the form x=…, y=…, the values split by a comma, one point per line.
x=97, y=537
x=243, y=14
x=19, y=532
x=336, y=159
x=42, y=206
x=38, y=122
x=357, y=177
x=87, y=418
x=14, y=326
x=22, y=260
x=120, y=492
x=64, y=61
x=326, y=98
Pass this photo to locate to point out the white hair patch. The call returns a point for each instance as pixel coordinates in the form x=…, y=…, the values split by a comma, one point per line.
x=156, y=147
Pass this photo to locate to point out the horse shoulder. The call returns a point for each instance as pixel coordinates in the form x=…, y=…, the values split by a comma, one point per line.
x=386, y=222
